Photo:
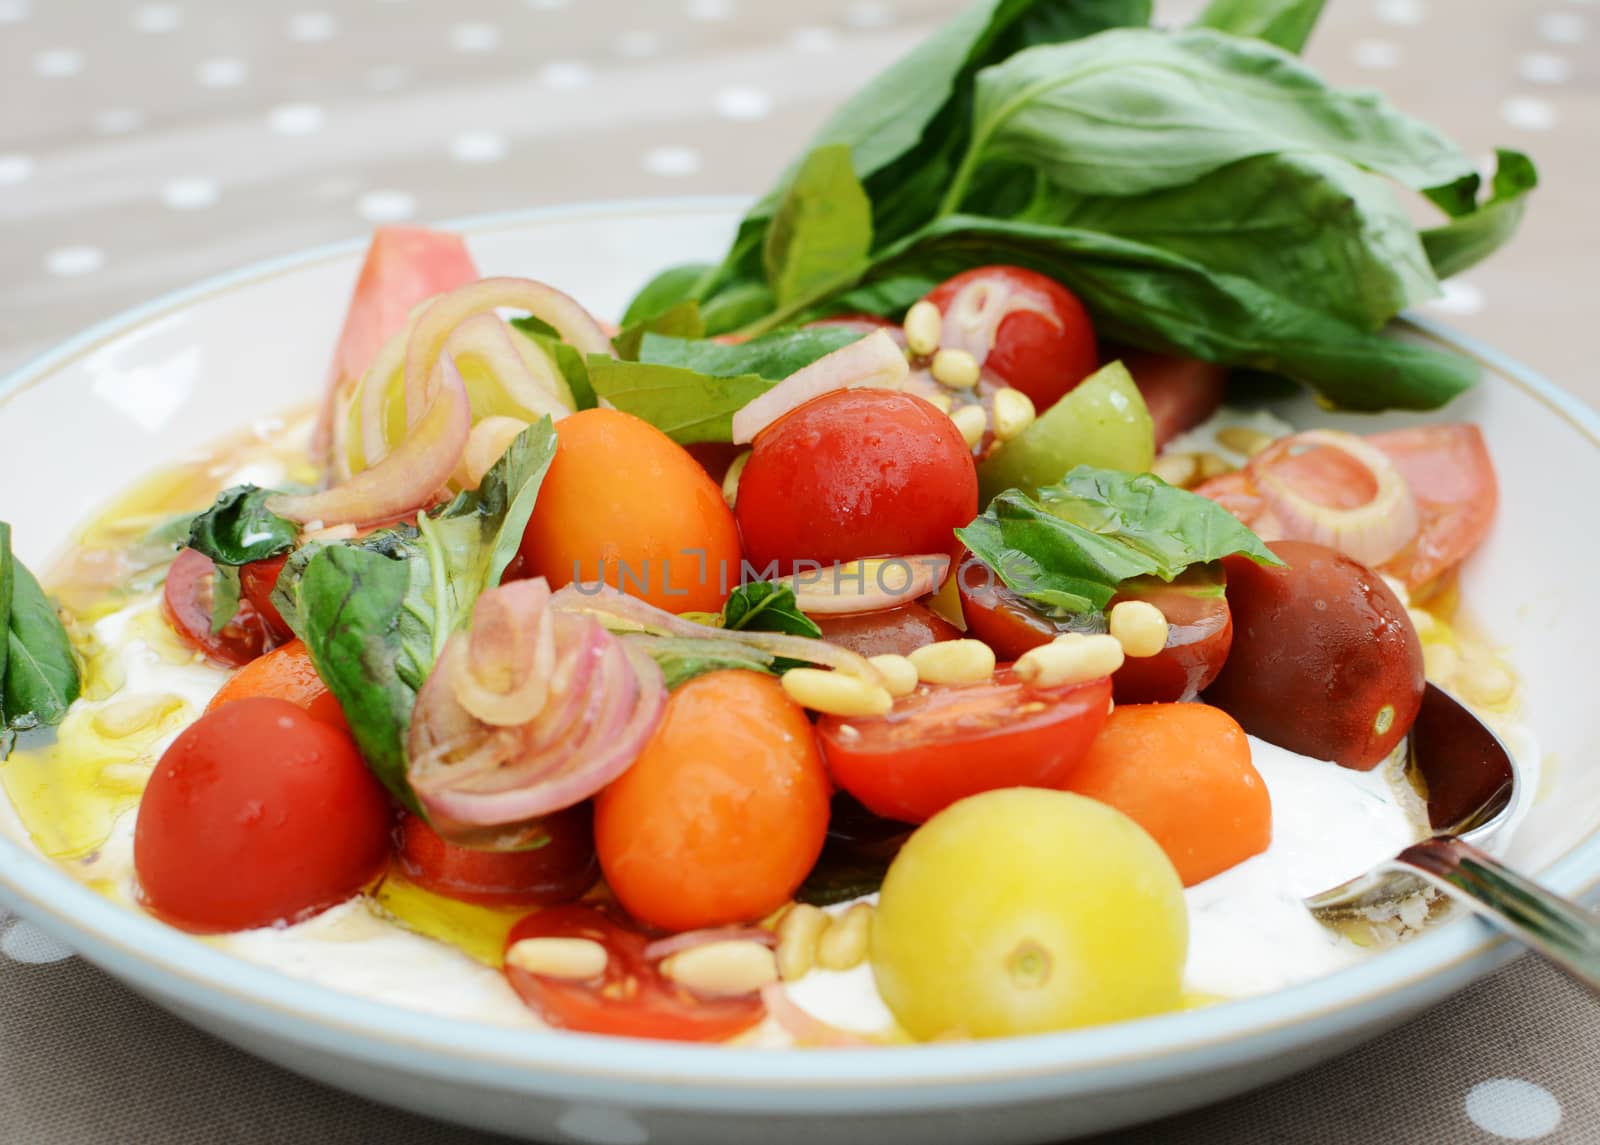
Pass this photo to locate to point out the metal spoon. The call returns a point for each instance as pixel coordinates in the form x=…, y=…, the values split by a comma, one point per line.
x=1471, y=785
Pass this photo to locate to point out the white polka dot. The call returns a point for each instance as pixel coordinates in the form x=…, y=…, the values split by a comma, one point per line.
x=15, y=168
x=58, y=63
x=25, y=942
x=191, y=193
x=296, y=119
x=119, y=120
x=387, y=206
x=869, y=14
x=224, y=71
x=1458, y=298
x=13, y=11
x=638, y=44
x=597, y=1125
x=1376, y=55
x=564, y=75
x=478, y=147
x=709, y=11
x=312, y=27
x=1402, y=13
x=391, y=77
x=673, y=161
x=743, y=103
x=814, y=38
x=1544, y=67
x=158, y=18
x=1512, y=1108
x=69, y=261
x=1563, y=27
x=475, y=37
x=1529, y=112
x=548, y=5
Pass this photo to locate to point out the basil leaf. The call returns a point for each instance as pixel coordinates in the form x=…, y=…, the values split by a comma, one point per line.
x=1083, y=537
x=762, y=606
x=686, y=405
x=565, y=358
x=239, y=528
x=1136, y=110
x=674, y=285
x=772, y=356
x=1478, y=231
x=681, y=659
x=225, y=591
x=822, y=228
x=735, y=307
x=682, y=321
x=1286, y=23
x=38, y=670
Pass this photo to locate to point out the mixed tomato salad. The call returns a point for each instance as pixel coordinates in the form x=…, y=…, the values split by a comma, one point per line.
x=910, y=591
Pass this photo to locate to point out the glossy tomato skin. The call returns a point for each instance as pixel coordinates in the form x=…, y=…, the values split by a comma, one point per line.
x=625, y=502
x=855, y=473
x=257, y=814
x=558, y=871
x=899, y=630
x=1008, y=623
x=946, y=742
x=186, y=599
x=724, y=812
x=1045, y=346
x=1179, y=392
x=256, y=582
x=632, y=998
x=285, y=673
x=1325, y=660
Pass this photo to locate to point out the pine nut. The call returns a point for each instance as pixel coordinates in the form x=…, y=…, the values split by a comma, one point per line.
x=1482, y=681
x=844, y=944
x=941, y=401
x=735, y=966
x=953, y=662
x=899, y=673
x=955, y=368
x=1139, y=626
x=971, y=421
x=575, y=959
x=924, y=327
x=798, y=931
x=1013, y=413
x=1440, y=661
x=1423, y=621
x=730, y=480
x=1211, y=466
x=835, y=693
x=1178, y=469
x=1243, y=439
x=135, y=713
x=1066, y=661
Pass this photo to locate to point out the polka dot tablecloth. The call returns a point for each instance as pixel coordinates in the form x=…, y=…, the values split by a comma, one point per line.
x=145, y=145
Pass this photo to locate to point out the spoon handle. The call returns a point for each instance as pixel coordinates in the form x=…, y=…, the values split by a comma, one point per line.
x=1560, y=929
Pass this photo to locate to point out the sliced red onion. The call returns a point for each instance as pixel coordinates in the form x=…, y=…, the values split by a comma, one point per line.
x=973, y=318
x=873, y=584
x=874, y=362
x=807, y=1029
x=501, y=671
x=516, y=362
x=375, y=391
x=1370, y=533
x=628, y=613
x=410, y=477
x=690, y=939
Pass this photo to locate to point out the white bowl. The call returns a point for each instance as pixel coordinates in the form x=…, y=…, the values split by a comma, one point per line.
x=110, y=405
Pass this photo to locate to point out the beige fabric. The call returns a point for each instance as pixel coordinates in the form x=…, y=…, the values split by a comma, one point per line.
x=144, y=145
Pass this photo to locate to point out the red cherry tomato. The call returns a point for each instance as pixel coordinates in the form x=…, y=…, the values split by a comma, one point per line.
x=632, y=998
x=900, y=630
x=1040, y=338
x=855, y=473
x=1180, y=393
x=257, y=580
x=187, y=598
x=944, y=743
x=1199, y=634
x=558, y=871
x=285, y=673
x=1325, y=661
x=257, y=814
x=1006, y=622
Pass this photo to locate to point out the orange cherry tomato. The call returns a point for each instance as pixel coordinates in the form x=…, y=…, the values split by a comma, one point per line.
x=625, y=503
x=286, y=673
x=725, y=811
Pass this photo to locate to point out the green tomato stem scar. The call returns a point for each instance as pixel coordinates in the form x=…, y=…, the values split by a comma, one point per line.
x=1029, y=965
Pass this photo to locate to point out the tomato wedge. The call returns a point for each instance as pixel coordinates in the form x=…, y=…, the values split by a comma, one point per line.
x=187, y=599
x=256, y=581
x=557, y=872
x=901, y=630
x=944, y=743
x=632, y=998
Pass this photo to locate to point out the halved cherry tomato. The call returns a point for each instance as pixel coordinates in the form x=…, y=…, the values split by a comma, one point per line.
x=257, y=814
x=257, y=580
x=1006, y=621
x=187, y=600
x=1043, y=343
x=557, y=871
x=946, y=742
x=632, y=998
x=285, y=673
x=1180, y=393
x=855, y=473
x=900, y=630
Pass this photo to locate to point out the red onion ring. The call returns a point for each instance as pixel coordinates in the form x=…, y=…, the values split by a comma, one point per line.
x=1370, y=533
x=690, y=939
x=875, y=361
x=858, y=586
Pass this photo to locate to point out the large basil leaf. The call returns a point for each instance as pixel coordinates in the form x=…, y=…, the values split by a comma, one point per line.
x=772, y=356
x=1286, y=23
x=762, y=606
x=672, y=286
x=239, y=528
x=38, y=671
x=565, y=358
x=1478, y=231
x=822, y=229
x=682, y=320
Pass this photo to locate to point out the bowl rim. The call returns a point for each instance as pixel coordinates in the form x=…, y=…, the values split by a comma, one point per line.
x=200, y=974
